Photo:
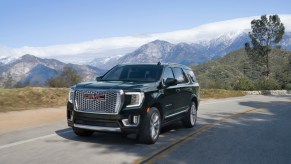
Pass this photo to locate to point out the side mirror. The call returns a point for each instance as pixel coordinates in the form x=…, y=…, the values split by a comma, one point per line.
x=98, y=78
x=171, y=82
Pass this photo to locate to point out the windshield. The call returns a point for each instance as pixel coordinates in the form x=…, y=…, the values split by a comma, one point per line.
x=136, y=73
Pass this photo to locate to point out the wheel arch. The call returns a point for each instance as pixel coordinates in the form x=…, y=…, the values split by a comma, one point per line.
x=159, y=107
x=195, y=100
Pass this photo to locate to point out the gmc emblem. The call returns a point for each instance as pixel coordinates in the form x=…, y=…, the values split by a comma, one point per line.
x=94, y=97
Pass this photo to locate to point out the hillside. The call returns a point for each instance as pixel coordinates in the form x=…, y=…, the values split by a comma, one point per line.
x=33, y=70
x=32, y=98
x=237, y=71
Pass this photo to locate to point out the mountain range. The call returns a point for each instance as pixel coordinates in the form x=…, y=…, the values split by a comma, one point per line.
x=184, y=53
x=188, y=47
x=33, y=70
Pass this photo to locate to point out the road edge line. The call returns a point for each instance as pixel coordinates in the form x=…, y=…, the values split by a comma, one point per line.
x=31, y=140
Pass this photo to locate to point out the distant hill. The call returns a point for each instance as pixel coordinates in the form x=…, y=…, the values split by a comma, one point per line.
x=236, y=71
x=32, y=70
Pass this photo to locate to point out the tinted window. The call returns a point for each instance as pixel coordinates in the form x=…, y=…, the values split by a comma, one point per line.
x=179, y=75
x=168, y=74
x=139, y=73
x=191, y=75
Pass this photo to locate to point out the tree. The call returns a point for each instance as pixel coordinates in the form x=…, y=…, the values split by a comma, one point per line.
x=265, y=33
x=68, y=77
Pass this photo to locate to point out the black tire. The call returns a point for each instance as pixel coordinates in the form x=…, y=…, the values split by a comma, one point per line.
x=150, y=130
x=191, y=116
x=82, y=132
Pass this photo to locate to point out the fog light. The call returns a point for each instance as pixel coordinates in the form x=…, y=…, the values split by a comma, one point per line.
x=135, y=119
x=132, y=121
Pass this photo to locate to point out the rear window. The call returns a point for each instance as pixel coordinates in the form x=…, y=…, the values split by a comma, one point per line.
x=191, y=75
x=179, y=75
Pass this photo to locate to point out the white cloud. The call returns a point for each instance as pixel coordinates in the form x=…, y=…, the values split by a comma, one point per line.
x=102, y=47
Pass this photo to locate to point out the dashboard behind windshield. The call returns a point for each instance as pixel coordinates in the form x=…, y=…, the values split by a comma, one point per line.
x=134, y=73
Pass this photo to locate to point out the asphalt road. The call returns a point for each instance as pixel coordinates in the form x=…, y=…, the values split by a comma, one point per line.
x=249, y=129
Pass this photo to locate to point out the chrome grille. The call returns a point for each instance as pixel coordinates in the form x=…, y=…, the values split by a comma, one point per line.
x=110, y=104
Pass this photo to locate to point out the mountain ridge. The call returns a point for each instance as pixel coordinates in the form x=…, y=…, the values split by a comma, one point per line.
x=29, y=69
x=184, y=53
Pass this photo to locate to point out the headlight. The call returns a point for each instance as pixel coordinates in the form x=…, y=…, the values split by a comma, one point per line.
x=136, y=98
x=71, y=95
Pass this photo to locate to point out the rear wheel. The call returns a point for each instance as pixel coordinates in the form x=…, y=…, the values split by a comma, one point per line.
x=190, y=119
x=150, y=130
x=82, y=132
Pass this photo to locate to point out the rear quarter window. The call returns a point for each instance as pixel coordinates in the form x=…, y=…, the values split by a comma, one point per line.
x=191, y=75
x=180, y=75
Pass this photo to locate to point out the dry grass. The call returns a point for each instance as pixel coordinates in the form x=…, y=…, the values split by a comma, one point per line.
x=219, y=93
x=36, y=97
x=32, y=98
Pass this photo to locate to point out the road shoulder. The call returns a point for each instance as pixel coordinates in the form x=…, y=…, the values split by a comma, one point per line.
x=18, y=120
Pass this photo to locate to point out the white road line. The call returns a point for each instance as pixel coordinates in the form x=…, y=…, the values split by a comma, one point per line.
x=31, y=140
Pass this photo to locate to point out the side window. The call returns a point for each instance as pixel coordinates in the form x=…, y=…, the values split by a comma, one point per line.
x=191, y=75
x=168, y=73
x=180, y=75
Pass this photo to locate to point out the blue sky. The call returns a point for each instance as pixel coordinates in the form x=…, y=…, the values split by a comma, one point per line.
x=53, y=22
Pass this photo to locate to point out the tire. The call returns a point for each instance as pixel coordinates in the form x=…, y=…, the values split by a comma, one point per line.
x=150, y=130
x=191, y=116
x=82, y=132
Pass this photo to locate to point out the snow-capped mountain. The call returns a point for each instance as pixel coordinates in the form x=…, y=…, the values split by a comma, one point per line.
x=105, y=62
x=7, y=59
x=33, y=70
x=149, y=53
x=186, y=53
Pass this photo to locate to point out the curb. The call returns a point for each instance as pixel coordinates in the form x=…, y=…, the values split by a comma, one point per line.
x=268, y=92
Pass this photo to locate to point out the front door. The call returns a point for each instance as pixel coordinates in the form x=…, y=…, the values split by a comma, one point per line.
x=169, y=94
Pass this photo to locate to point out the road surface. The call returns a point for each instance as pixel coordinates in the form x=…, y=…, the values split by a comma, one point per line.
x=249, y=129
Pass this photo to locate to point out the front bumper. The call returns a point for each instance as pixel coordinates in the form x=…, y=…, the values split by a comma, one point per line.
x=97, y=128
x=123, y=122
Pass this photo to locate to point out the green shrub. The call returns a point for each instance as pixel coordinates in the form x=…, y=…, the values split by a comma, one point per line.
x=288, y=86
x=267, y=84
x=243, y=84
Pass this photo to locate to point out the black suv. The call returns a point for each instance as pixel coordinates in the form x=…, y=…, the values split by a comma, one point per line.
x=135, y=98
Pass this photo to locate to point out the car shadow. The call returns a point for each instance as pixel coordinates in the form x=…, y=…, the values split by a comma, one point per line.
x=111, y=138
x=248, y=138
x=117, y=142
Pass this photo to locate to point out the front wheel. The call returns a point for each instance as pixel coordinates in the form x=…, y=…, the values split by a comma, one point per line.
x=150, y=130
x=82, y=132
x=191, y=116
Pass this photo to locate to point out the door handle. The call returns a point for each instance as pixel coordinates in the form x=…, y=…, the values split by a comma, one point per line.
x=178, y=90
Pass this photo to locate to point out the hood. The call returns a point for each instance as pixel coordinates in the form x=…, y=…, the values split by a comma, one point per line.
x=126, y=86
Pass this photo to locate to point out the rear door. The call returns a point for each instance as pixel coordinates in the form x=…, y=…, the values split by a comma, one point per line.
x=183, y=90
